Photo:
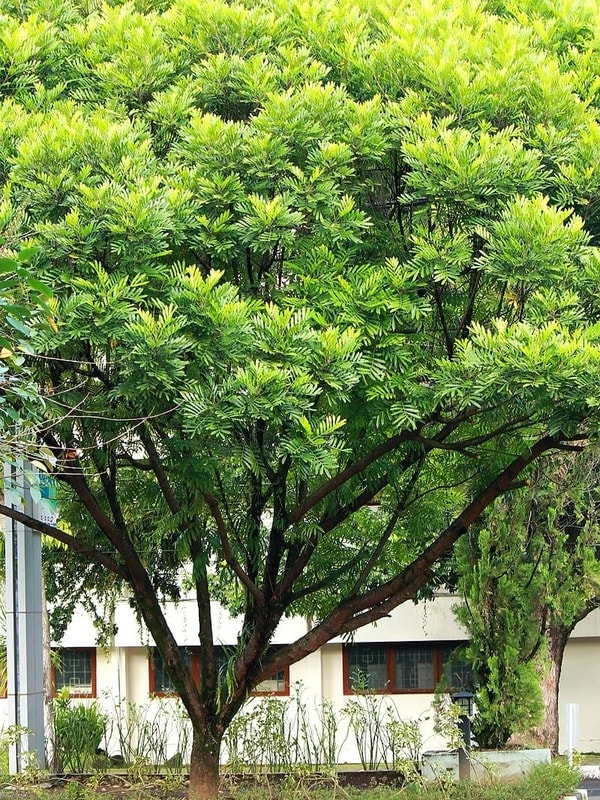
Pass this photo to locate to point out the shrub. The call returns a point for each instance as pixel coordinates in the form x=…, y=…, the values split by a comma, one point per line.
x=78, y=731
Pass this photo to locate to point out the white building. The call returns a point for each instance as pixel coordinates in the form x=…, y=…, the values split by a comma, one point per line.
x=405, y=656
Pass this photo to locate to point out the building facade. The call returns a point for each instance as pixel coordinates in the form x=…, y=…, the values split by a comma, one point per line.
x=400, y=660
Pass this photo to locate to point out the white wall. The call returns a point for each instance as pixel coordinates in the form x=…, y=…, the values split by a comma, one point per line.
x=123, y=671
x=580, y=683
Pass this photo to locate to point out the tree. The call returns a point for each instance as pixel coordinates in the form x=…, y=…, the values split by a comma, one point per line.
x=304, y=257
x=23, y=310
x=529, y=574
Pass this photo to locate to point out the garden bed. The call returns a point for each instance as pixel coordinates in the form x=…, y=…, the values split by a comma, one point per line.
x=546, y=782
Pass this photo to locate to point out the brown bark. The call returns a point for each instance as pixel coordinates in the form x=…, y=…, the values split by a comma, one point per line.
x=557, y=636
x=546, y=734
x=204, y=765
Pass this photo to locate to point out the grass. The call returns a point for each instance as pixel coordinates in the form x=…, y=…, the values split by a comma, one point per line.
x=546, y=782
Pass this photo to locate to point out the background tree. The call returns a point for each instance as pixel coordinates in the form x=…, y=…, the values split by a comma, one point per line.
x=303, y=256
x=24, y=310
x=528, y=576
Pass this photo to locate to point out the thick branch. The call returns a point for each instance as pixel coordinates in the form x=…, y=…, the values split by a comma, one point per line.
x=345, y=475
x=159, y=472
x=70, y=541
x=377, y=603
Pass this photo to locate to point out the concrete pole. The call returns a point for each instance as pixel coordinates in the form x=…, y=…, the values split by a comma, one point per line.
x=24, y=632
x=572, y=730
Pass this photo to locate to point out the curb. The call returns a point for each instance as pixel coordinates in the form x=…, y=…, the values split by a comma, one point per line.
x=590, y=772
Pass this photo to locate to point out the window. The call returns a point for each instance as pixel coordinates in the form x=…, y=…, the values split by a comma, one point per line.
x=278, y=684
x=75, y=670
x=458, y=674
x=414, y=668
x=161, y=683
x=368, y=667
x=392, y=668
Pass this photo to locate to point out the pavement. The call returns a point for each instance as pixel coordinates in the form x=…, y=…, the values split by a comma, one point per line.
x=590, y=776
x=592, y=786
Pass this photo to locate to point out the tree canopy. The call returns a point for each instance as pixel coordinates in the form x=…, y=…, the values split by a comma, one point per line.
x=23, y=311
x=325, y=280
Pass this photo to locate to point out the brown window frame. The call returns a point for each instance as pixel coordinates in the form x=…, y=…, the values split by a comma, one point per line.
x=285, y=692
x=195, y=666
x=83, y=695
x=391, y=648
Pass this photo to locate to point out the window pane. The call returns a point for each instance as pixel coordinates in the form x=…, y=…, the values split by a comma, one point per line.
x=222, y=659
x=414, y=667
x=74, y=672
x=276, y=683
x=457, y=672
x=162, y=680
x=368, y=667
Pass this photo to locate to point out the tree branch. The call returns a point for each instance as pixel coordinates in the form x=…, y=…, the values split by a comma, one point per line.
x=384, y=538
x=377, y=603
x=344, y=476
x=70, y=541
x=231, y=560
x=159, y=471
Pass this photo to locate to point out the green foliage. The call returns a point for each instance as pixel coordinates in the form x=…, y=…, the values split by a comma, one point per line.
x=530, y=567
x=78, y=731
x=383, y=738
x=144, y=735
x=274, y=734
x=305, y=258
x=24, y=308
x=499, y=591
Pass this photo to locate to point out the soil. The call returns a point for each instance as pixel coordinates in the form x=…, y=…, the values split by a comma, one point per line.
x=233, y=787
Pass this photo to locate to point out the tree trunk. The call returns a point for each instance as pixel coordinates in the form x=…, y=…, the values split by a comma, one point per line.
x=204, y=765
x=547, y=733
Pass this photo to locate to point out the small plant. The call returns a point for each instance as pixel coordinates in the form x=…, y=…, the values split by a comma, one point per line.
x=366, y=723
x=145, y=734
x=275, y=734
x=402, y=741
x=446, y=719
x=325, y=748
x=79, y=730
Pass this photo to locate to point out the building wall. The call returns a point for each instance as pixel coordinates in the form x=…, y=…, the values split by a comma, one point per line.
x=122, y=672
x=580, y=684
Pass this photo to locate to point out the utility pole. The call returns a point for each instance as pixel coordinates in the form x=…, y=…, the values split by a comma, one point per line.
x=24, y=628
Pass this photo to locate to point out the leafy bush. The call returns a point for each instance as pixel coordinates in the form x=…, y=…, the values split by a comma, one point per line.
x=78, y=731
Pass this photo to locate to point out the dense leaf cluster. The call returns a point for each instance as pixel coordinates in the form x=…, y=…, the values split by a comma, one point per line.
x=325, y=279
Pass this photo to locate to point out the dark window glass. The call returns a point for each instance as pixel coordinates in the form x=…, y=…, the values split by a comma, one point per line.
x=74, y=672
x=162, y=680
x=414, y=667
x=457, y=673
x=368, y=667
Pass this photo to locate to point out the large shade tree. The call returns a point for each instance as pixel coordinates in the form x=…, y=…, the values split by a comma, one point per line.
x=307, y=258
